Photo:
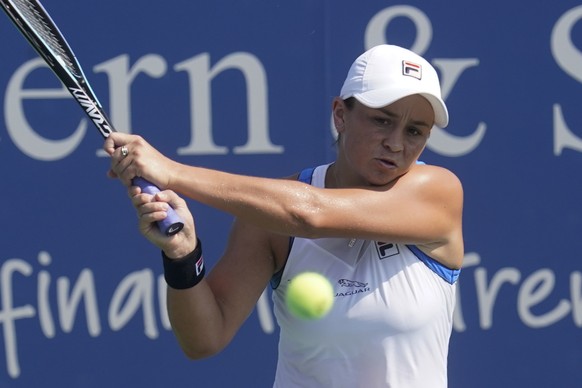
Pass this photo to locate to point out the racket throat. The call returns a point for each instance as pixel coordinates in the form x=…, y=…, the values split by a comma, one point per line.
x=92, y=110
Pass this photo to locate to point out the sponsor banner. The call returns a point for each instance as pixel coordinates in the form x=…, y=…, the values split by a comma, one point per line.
x=246, y=87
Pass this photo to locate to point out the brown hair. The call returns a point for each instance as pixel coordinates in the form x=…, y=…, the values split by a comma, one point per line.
x=350, y=102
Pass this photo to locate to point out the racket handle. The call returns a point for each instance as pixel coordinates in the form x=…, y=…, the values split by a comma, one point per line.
x=170, y=225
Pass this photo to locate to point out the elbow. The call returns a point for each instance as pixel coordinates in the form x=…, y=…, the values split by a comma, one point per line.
x=307, y=221
x=198, y=348
x=200, y=351
x=197, y=354
x=305, y=213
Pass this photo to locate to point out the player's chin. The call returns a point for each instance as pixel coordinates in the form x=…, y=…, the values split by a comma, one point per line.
x=384, y=176
x=381, y=180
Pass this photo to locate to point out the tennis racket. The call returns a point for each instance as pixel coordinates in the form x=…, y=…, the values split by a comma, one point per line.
x=36, y=25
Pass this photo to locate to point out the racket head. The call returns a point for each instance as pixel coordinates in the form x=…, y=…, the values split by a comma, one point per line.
x=31, y=18
x=34, y=22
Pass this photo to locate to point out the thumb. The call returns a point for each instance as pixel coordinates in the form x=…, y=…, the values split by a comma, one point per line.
x=116, y=140
x=171, y=198
x=112, y=174
x=109, y=145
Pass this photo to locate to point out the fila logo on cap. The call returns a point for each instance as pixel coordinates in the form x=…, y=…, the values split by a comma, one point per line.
x=411, y=69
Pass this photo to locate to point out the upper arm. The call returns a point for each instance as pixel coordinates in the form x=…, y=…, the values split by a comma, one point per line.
x=241, y=275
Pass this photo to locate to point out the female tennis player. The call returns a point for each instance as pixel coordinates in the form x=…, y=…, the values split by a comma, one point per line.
x=384, y=228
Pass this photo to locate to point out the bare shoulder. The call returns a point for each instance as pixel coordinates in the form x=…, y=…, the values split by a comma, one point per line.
x=434, y=180
x=435, y=172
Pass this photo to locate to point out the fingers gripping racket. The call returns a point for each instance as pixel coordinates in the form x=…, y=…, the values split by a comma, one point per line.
x=37, y=26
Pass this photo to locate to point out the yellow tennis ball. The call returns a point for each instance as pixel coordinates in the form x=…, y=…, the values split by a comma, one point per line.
x=309, y=296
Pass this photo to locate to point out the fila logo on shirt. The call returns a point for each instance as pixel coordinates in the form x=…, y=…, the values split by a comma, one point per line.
x=411, y=69
x=386, y=250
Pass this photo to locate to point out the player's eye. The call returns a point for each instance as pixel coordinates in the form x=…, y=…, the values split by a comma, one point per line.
x=414, y=131
x=383, y=121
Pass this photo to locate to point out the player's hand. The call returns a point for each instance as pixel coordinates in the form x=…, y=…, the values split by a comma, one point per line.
x=152, y=208
x=132, y=156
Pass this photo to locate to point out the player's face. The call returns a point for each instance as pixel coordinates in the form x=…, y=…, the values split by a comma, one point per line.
x=377, y=146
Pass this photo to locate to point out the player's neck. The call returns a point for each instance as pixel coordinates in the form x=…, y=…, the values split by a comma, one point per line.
x=338, y=177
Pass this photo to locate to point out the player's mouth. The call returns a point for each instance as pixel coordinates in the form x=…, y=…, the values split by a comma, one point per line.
x=389, y=163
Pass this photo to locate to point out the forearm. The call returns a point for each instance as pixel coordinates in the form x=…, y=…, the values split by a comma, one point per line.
x=281, y=206
x=197, y=321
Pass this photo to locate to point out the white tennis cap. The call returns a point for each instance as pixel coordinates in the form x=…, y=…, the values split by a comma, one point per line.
x=385, y=74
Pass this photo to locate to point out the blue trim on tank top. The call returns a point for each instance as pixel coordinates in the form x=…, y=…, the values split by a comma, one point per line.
x=447, y=274
x=306, y=175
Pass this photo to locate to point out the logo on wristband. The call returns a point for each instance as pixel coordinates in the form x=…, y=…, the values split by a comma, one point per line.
x=199, y=266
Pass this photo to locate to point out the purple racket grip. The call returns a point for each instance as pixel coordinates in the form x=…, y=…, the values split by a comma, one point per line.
x=170, y=225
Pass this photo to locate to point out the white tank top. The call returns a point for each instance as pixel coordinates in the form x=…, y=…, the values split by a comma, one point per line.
x=390, y=323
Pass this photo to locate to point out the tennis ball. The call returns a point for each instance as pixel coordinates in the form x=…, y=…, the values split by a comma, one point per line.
x=309, y=296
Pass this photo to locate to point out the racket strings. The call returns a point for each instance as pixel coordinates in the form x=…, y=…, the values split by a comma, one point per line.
x=44, y=29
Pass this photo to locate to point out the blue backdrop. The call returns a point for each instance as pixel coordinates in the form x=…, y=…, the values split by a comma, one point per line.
x=246, y=86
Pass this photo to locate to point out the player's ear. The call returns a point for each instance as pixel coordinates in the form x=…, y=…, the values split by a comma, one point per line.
x=338, y=113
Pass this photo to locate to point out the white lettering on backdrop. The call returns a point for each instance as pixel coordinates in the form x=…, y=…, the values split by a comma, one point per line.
x=136, y=292
x=200, y=74
x=570, y=60
x=141, y=295
x=121, y=76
